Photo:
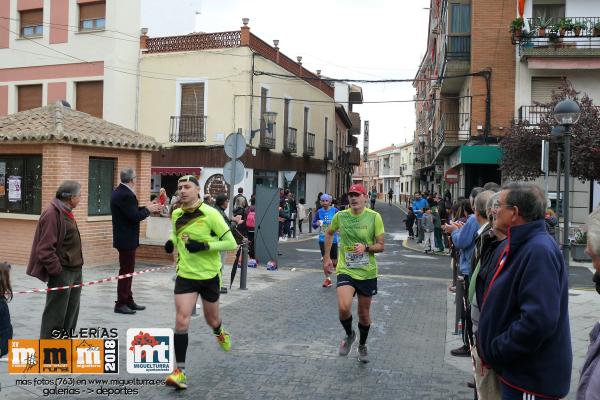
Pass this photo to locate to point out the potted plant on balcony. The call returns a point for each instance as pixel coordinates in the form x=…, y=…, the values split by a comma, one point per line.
x=516, y=26
x=565, y=25
x=578, y=247
x=578, y=27
x=542, y=23
x=597, y=29
x=553, y=35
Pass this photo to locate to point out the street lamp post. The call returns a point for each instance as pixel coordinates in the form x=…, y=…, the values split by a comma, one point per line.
x=557, y=135
x=567, y=113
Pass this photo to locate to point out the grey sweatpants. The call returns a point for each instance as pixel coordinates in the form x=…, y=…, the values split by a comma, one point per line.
x=62, y=306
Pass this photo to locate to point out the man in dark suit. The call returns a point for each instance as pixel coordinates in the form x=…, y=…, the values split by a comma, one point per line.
x=126, y=217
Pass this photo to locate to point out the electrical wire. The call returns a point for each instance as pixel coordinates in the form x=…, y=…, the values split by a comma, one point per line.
x=364, y=102
x=323, y=79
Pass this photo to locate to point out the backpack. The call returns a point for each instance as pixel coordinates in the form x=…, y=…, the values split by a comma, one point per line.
x=251, y=219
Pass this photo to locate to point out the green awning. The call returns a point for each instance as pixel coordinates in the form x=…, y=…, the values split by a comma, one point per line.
x=480, y=155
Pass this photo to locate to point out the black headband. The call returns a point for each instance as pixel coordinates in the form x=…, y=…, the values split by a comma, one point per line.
x=188, y=178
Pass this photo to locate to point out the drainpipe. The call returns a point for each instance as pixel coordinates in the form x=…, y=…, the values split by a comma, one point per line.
x=143, y=49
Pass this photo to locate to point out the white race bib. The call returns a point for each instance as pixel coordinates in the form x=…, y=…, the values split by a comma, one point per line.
x=354, y=260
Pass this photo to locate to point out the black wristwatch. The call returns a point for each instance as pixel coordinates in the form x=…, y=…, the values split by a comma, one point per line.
x=366, y=248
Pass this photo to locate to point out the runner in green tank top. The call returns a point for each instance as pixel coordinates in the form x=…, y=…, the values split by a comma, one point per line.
x=361, y=234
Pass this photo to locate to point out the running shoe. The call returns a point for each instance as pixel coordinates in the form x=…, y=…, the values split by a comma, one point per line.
x=346, y=344
x=177, y=379
x=224, y=340
x=363, y=356
x=327, y=282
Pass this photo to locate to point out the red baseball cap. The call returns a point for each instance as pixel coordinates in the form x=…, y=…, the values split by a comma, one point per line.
x=358, y=188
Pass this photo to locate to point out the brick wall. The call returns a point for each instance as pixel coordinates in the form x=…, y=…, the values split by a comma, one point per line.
x=61, y=162
x=491, y=48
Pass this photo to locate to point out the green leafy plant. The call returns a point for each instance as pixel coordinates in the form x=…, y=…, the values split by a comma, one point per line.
x=543, y=22
x=579, y=26
x=565, y=25
x=597, y=29
x=517, y=24
x=580, y=237
x=553, y=37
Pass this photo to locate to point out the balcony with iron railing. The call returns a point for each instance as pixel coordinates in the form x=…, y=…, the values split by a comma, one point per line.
x=329, y=150
x=559, y=37
x=454, y=128
x=354, y=156
x=268, y=136
x=534, y=115
x=309, y=144
x=458, y=47
x=289, y=143
x=187, y=129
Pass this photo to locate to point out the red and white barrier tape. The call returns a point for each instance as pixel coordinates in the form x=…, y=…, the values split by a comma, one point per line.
x=112, y=278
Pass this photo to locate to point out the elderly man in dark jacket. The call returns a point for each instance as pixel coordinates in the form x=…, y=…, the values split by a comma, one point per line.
x=126, y=217
x=524, y=323
x=589, y=382
x=56, y=258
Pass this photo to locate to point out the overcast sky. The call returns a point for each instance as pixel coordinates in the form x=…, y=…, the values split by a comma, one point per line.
x=353, y=39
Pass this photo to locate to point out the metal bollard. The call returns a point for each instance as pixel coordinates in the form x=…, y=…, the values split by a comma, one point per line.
x=310, y=218
x=244, y=266
x=458, y=301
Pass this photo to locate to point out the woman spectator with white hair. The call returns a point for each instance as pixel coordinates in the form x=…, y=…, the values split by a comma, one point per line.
x=589, y=382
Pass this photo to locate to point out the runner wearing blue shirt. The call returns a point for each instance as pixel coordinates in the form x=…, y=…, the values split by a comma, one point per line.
x=322, y=220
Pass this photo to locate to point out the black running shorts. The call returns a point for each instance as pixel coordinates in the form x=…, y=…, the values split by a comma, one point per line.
x=333, y=253
x=208, y=289
x=367, y=287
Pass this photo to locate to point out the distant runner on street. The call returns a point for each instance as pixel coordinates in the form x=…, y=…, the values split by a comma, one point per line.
x=361, y=236
x=322, y=220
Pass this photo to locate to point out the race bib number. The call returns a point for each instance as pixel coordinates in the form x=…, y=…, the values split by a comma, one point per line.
x=354, y=260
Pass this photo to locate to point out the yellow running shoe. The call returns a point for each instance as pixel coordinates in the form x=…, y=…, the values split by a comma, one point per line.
x=177, y=379
x=224, y=340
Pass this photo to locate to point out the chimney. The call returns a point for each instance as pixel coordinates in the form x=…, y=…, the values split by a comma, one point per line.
x=144, y=39
x=299, y=58
x=319, y=73
x=276, y=45
x=245, y=33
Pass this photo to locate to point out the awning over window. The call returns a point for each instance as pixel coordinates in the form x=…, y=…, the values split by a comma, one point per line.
x=176, y=170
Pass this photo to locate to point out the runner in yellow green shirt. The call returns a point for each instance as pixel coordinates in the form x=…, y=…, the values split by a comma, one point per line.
x=361, y=235
x=199, y=234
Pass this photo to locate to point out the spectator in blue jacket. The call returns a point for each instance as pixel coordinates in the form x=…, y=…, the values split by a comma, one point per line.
x=589, y=382
x=524, y=315
x=418, y=204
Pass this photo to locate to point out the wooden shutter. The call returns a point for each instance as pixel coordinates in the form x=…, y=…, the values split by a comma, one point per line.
x=29, y=96
x=192, y=99
x=542, y=88
x=89, y=98
x=32, y=17
x=100, y=185
x=92, y=11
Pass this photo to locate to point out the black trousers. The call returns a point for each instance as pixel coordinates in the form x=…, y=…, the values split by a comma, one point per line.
x=127, y=265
